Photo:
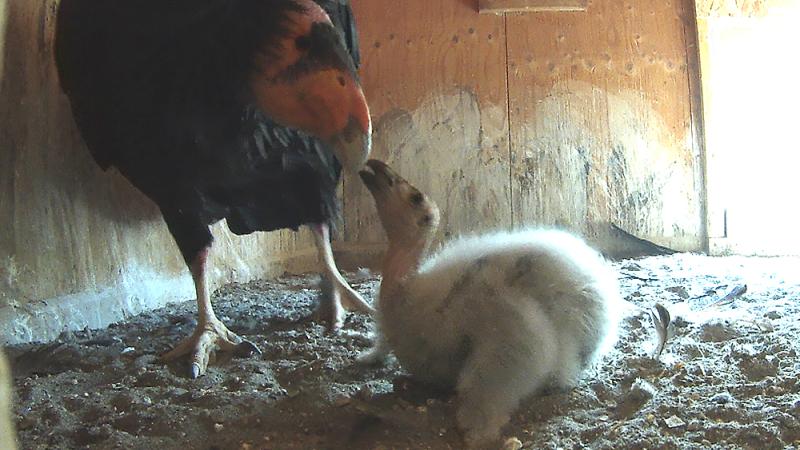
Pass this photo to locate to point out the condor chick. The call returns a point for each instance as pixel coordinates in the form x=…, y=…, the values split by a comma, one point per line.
x=497, y=317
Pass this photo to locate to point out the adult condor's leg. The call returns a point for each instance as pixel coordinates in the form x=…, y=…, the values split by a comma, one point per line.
x=339, y=292
x=194, y=240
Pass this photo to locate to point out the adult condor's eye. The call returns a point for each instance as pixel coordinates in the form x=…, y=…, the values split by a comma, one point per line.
x=416, y=199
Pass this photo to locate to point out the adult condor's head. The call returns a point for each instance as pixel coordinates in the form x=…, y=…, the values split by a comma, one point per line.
x=305, y=78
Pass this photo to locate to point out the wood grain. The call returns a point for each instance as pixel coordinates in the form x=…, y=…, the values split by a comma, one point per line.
x=7, y=434
x=67, y=226
x=601, y=127
x=436, y=85
x=510, y=6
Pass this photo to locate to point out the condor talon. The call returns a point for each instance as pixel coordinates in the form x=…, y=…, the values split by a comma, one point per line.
x=194, y=371
x=246, y=349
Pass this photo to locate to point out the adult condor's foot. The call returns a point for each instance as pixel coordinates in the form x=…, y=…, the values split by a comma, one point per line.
x=210, y=335
x=336, y=293
x=335, y=298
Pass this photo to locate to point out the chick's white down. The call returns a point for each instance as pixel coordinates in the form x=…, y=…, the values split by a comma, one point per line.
x=535, y=303
x=499, y=317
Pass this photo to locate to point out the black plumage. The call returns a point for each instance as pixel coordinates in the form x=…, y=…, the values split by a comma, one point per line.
x=159, y=89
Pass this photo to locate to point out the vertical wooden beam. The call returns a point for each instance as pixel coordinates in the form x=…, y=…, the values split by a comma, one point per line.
x=693, y=72
x=7, y=434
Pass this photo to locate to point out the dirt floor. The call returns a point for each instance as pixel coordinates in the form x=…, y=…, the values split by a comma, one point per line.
x=728, y=378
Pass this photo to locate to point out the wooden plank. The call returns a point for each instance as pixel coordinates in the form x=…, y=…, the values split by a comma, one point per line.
x=436, y=85
x=601, y=126
x=693, y=51
x=598, y=105
x=511, y=6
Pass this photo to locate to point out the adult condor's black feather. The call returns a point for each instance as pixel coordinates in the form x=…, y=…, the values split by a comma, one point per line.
x=236, y=109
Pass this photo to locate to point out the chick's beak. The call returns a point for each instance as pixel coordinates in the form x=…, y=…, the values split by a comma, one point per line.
x=368, y=177
x=377, y=176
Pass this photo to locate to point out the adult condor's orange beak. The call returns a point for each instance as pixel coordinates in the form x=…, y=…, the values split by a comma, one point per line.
x=308, y=81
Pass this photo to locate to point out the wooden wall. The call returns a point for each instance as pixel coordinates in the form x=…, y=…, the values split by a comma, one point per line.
x=750, y=99
x=79, y=246
x=577, y=119
x=7, y=434
x=436, y=85
x=573, y=119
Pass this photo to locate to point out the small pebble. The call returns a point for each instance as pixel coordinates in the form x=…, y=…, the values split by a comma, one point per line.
x=674, y=422
x=342, y=400
x=218, y=427
x=178, y=392
x=642, y=390
x=722, y=398
x=775, y=390
x=25, y=423
x=365, y=393
x=144, y=360
x=512, y=443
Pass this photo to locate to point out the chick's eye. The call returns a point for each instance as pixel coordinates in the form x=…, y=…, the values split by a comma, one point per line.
x=425, y=220
x=416, y=199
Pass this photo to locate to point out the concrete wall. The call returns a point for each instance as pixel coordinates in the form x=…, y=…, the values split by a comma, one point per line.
x=79, y=246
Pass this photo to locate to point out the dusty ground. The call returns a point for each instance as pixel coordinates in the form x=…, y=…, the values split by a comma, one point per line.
x=729, y=377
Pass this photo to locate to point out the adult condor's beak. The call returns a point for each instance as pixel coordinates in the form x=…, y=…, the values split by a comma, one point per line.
x=310, y=84
x=353, y=143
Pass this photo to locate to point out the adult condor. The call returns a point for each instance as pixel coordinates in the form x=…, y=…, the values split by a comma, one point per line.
x=244, y=110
